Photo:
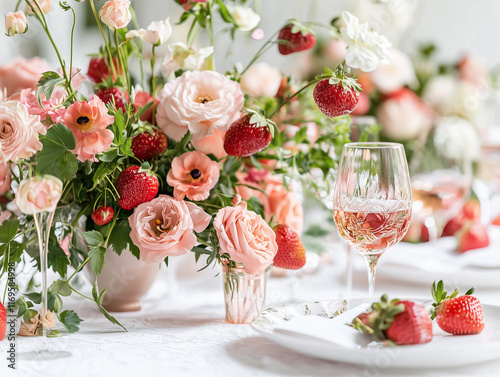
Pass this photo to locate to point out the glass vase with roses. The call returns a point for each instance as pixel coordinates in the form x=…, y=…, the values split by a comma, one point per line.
x=160, y=161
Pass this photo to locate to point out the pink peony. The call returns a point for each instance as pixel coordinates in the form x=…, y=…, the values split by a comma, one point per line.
x=261, y=80
x=18, y=132
x=5, y=178
x=213, y=144
x=116, y=13
x=193, y=174
x=246, y=237
x=284, y=205
x=88, y=122
x=164, y=227
x=200, y=102
x=22, y=74
x=38, y=194
x=51, y=108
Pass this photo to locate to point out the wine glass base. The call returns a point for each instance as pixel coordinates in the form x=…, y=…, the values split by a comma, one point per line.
x=47, y=354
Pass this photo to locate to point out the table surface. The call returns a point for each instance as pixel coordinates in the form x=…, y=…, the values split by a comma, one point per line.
x=180, y=331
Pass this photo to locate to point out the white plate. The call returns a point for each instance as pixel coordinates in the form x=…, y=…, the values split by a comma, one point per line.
x=443, y=351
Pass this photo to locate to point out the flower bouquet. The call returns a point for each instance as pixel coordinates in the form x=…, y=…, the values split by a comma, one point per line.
x=163, y=164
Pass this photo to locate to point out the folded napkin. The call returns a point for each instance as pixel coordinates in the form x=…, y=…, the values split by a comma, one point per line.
x=333, y=330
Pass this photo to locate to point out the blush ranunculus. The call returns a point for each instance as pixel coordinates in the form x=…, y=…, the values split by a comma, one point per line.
x=261, y=80
x=15, y=23
x=18, y=132
x=164, y=227
x=200, y=102
x=38, y=194
x=116, y=13
x=22, y=74
x=45, y=5
x=5, y=178
x=88, y=122
x=141, y=99
x=246, y=237
x=50, y=107
x=213, y=144
x=193, y=174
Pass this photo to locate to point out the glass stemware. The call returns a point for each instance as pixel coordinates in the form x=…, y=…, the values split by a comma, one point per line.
x=372, y=200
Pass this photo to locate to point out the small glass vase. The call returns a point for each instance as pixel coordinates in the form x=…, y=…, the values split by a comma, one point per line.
x=244, y=294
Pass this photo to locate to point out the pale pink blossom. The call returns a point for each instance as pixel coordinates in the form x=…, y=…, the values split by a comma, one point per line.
x=52, y=107
x=15, y=23
x=89, y=121
x=213, y=144
x=157, y=32
x=474, y=71
x=116, y=13
x=193, y=174
x=165, y=226
x=388, y=78
x=18, y=132
x=246, y=237
x=335, y=51
x=5, y=178
x=22, y=74
x=45, y=5
x=76, y=76
x=38, y=194
x=180, y=56
x=200, y=102
x=261, y=79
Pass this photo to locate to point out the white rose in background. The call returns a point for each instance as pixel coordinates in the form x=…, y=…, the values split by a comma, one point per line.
x=403, y=115
x=365, y=47
x=388, y=78
x=15, y=23
x=244, y=17
x=180, y=56
x=261, y=80
x=157, y=32
x=456, y=137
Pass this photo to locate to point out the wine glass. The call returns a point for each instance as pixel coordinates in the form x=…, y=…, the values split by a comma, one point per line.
x=372, y=203
x=441, y=183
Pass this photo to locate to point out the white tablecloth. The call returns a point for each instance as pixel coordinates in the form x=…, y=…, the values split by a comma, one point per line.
x=182, y=333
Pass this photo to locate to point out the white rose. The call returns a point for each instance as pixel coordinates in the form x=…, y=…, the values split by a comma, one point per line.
x=180, y=56
x=390, y=77
x=157, y=32
x=457, y=138
x=245, y=18
x=261, y=80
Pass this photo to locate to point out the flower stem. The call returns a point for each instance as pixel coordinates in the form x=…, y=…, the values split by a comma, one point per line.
x=260, y=52
x=111, y=228
x=210, y=32
x=108, y=49
x=293, y=95
x=152, y=88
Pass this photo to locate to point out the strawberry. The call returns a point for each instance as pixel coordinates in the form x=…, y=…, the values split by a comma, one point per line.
x=496, y=221
x=3, y=321
x=460, y=315
x=248, y=135
x=114, y=95
x=402, y=322
x=472, y=236
x=149, y=143
x=295, y=37
x=336, y=94
x=99, y=70
x=136, y=187
x=291, y=252
x=470, y=211
x=103, y=215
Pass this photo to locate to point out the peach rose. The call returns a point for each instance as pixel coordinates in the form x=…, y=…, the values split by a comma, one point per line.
x=22, y=74
x=284, y=205
x=45, y=5
x=29, y=328
x=5, y=178
x=15, y=23
x=49, y=321
x=38, y=194
x=193, y=174
x=200, y=102
x=213, y=144
x=246, y=237
x=261, y=80
x=116, y=13
x=164, y=227
x=18, y=132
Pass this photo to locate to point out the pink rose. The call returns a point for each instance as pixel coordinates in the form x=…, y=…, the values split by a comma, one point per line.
x=22, y=74
x=200, y=102
x=51, y=107
x=116, y=13
x=45, y=5
x=89, y=121
x=284, y=205
x=403, y=115
x=261, y=80
x=5, y=178
x=363, y=105
x=15, y=23
x=193, y=174
x=246, y=237
x=388, y=78
x=164, y=227
x=38, y=194
x=213, y=144
x=474, y=72
x=18, y=132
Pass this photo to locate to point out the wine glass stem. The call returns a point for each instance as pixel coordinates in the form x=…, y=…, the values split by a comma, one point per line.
x=372, y=261
x=349, y=271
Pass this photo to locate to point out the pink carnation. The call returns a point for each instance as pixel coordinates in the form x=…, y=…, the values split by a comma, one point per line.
x=164, y=227
x=88, y=122
x=193, y=174
x=51, y=107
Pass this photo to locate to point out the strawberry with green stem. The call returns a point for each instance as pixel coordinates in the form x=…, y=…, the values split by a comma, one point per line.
x=295, y=37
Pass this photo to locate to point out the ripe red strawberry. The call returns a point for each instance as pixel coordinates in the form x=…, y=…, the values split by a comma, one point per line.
x=248, y=135
x=103, y=215
x=472, y=236
x=295, y=37
x=496, y=221
x=116, y=95
x=470, y=211
x=150, y=143
x=3, y=321
x=291, y=252
x=99, y=70
x=403, y=322
x=336, y=94
x=136, y=188
x=457, y=315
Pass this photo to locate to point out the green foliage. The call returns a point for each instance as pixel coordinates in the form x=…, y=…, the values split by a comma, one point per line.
x=70, y=320
x=98, y=298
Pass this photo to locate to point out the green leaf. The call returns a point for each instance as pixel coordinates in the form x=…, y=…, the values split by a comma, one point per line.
x=58, y=303
x=70, y=320
x=62, y=135
x=54, y=334
x=48, y=83
x=134, y=250
x=8, y=230
x=35, y=297
x=61, y=287
x=93, y=238
x=97, y=259
x=224, y=13
x=119, y=237
x=108, y=155
x=104, y=169
x=57, y=259
x=98, y=299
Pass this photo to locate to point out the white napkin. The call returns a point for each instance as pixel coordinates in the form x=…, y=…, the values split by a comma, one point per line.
x=332, y=330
